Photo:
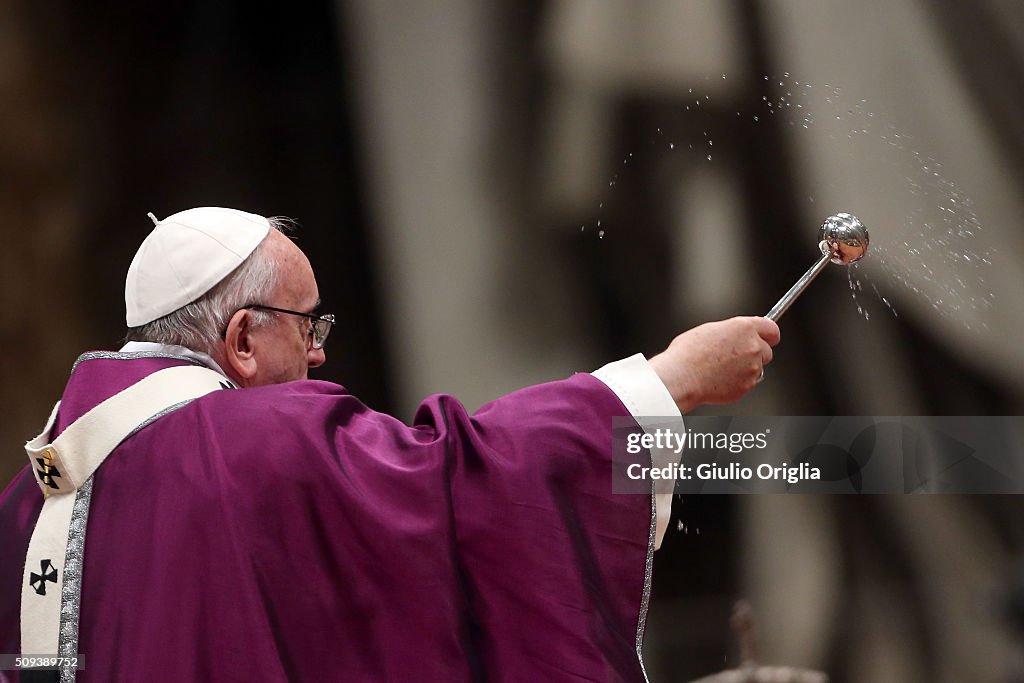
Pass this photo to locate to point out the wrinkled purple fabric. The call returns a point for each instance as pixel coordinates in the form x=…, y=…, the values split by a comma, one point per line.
x=289, y=532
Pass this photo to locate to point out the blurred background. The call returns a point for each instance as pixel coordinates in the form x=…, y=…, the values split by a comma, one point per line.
x=500, y=193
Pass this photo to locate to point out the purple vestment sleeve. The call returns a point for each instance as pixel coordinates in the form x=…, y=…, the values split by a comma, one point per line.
x=290, y=533
x=555, y=565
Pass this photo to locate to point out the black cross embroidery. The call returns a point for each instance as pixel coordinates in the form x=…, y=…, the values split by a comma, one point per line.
x=49, y=573
x=48, y=472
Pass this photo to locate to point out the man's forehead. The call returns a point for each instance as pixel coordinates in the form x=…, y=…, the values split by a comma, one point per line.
x=295, y=276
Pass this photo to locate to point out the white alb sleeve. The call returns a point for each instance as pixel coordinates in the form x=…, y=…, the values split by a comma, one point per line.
x=645, y=396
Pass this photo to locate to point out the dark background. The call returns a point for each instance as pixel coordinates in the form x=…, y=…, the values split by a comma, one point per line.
x=495, y=194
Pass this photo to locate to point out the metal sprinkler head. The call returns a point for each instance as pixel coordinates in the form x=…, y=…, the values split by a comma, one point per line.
x=843, y=240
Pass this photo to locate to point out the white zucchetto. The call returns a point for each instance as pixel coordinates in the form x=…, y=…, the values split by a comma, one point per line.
x=185, y=256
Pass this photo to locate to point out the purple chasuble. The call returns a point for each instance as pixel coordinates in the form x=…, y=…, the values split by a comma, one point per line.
x=288, y=532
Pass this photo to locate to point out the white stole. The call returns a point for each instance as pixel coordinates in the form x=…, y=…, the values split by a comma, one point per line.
x=62, y=466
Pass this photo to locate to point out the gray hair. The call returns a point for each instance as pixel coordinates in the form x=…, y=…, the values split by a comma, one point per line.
x=200, y=325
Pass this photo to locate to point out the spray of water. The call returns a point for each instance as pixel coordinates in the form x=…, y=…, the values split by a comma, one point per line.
x=926, y=238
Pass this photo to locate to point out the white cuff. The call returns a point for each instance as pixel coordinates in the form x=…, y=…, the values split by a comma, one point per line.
x=645, y=396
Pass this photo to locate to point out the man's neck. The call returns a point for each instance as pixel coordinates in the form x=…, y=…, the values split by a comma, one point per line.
x=175, y=350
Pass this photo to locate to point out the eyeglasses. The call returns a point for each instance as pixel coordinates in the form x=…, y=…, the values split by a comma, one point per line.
x=320, y=324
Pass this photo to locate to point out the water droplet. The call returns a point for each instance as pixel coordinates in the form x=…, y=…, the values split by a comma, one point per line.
x=600, y=234
x=671, y=145
x=709, y=157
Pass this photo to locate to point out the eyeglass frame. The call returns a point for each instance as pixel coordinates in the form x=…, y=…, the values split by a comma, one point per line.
x=319, y=339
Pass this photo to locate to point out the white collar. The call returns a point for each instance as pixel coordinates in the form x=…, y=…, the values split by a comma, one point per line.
x=175, y=350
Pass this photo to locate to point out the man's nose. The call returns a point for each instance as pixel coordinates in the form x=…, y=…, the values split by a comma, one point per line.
x=316, y=357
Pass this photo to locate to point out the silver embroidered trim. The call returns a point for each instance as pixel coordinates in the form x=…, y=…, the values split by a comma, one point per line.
x=165, y=411
x=71, y=591
x=648, y=572
x=118, y=355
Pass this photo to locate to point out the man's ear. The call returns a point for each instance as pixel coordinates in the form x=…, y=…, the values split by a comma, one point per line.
x=239, y=347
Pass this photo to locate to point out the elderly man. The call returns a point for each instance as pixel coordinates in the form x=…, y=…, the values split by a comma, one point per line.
x=175, y=530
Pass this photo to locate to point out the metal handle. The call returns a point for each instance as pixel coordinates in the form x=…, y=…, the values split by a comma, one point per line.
x=796, y=290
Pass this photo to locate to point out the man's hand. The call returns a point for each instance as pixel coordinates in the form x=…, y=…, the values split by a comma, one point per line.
x=716, y=362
